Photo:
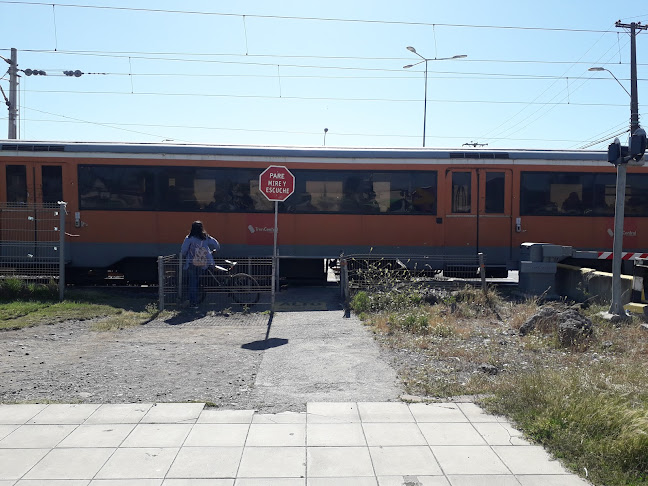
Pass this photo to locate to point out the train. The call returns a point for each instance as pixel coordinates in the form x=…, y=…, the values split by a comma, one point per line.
x=128, y=203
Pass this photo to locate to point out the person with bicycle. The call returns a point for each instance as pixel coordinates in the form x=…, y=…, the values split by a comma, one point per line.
x=196, y=252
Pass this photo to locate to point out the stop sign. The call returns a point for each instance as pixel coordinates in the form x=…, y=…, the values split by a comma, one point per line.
x=277, y=183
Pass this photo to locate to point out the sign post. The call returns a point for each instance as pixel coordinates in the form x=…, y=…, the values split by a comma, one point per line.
x=277, y=184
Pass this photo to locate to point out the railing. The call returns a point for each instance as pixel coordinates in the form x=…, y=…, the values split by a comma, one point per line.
x=32, y=243
x=245, y=285
x=377, y=272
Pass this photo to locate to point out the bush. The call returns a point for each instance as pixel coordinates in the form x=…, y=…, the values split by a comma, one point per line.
x=14, y=289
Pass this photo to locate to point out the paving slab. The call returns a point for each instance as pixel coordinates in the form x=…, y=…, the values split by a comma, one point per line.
x=332, y=444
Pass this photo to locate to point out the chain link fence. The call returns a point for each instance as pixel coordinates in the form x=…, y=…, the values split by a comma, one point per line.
x=32, y=243
x=241, y=283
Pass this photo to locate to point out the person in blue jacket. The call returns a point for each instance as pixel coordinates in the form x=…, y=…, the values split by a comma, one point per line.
x=196, y=252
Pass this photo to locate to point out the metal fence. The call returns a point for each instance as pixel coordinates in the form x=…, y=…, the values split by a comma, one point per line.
x=241, y=283
x=32, y=243
x=379, y=272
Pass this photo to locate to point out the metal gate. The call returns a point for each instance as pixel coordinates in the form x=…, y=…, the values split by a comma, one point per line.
x=32, y=243
x=238, y=283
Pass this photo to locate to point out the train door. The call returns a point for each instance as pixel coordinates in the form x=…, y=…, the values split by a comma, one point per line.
x=33, y=183
x=478, y=213
x=26, y=184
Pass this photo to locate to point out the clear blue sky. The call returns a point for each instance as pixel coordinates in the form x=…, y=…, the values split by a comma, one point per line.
x=278, y=73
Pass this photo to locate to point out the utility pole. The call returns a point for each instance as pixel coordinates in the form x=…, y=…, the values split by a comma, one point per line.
x=616, y=307
x=13, y=95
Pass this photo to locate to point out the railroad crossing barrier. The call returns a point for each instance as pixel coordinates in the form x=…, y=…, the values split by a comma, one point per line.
x=542, y=273
x=32, y=243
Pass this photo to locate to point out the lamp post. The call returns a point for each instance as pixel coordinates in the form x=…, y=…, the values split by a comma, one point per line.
x=425, y=60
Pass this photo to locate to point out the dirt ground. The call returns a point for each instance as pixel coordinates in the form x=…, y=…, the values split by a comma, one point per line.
x=202, y=357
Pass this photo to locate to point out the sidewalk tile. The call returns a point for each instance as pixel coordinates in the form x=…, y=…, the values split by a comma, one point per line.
x=6, y=429
x=157, y=435
x=528, y=460
x=385, y=412
x=273, y=462
x=339, y=462
x=51, y=482
x=64, y=414
x=456, y=433
x=176, y=413
x=19, y=414
x=500, y=434
x=404, y=460
x=483, y=480
x=279, y=418
x=332, y=412
x=352, y=481
x=331, y=435
x=469, y=460
x=393, y=434
x=70, y=464
x=144, y=463
x=552, y=480
x=16, y=462
x=212, y=435
x=417, y=480
x=126, y=482
x=97, y=435
x=437, y=412
x=206, y=462
x=196, y=482
x=119, y=413
x=475, y=413
x=268, y=435
x=36, y=436
x=270, y=482
x=214, y=416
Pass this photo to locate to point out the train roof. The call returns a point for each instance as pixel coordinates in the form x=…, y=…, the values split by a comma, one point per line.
x=295, y=151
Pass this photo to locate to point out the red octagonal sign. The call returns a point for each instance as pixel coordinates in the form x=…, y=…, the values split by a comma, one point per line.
x=277, y=183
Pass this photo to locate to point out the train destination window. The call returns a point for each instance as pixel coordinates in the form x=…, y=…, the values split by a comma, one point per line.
x=461, y=192
x=495, y=183
x=16, y=177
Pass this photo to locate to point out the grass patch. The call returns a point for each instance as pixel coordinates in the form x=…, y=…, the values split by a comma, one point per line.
x=595, y=419
x=111, y=310
x=586, y=403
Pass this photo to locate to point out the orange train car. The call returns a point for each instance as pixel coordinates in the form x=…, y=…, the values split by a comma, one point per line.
x=129, y=203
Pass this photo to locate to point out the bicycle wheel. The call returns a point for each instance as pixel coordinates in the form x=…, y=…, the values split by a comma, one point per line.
x=245, y=289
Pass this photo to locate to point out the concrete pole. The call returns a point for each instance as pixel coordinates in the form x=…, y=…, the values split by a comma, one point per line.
x=616, y=307
x=13, y=95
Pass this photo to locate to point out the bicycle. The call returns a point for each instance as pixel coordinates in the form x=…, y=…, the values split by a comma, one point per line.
x=217, y=279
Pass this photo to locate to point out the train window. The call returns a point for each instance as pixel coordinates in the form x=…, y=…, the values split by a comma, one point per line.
x=636, y=200
x=114, y=187
x=16, y=184
x=604, y=194
x=461, y=192
x=557, y=194
x=495, y=183
x=363, y=192
x=52, y=177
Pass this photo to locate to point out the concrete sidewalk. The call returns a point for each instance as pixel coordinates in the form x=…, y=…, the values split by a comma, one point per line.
x=332, y=444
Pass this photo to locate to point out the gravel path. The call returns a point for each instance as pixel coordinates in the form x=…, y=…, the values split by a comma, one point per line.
x=236, y=361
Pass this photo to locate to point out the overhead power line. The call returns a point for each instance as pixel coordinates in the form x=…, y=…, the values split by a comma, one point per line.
x=293, y=17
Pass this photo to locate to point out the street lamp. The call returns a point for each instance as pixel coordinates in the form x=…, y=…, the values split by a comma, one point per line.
x=425, y=60
x=615, y=78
